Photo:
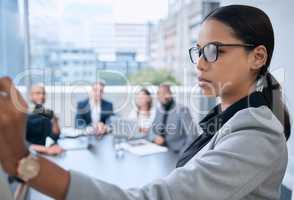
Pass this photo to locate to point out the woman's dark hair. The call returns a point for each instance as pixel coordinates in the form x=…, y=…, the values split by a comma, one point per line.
x=146, y=92
x=252, y=26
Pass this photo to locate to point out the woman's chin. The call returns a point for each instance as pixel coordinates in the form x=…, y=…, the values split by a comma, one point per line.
x=209, y=92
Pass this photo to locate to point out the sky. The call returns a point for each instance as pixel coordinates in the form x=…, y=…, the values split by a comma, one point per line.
x=124, y=11
x=140, y=10
x=79, y=16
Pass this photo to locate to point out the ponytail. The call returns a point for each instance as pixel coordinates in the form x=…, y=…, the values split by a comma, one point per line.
x=272, y=91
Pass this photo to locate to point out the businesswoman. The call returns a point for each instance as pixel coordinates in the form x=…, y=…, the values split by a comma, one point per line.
x=143, y=113
x=241, y=153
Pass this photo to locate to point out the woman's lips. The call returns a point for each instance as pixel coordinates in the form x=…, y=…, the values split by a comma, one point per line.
x=203, y=82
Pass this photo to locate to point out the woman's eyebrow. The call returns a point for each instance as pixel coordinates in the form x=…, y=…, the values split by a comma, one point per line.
x=212, y=42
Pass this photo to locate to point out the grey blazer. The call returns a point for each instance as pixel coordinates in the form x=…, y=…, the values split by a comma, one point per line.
x=179, y=126
x=245, y=159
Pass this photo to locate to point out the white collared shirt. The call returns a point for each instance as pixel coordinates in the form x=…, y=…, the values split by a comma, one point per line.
x=95, y=111
x=144, y=121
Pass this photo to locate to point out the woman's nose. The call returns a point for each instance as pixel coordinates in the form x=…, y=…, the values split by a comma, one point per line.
x=202, y=64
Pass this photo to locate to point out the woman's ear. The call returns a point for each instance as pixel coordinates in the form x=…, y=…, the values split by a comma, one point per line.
x=258, y=57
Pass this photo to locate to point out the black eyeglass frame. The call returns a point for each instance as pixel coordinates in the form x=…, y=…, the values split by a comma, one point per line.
x=218, y=45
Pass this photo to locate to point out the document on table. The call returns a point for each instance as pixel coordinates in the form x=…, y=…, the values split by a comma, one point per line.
x=72, y=139
x=72, y=132
x=143, y=147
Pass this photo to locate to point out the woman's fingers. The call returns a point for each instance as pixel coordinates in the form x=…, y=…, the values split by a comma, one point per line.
x=10, y=95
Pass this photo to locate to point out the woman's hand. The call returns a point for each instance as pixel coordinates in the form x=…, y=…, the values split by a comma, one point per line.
x=13, y=118
x=54, y=150
x=12, y=144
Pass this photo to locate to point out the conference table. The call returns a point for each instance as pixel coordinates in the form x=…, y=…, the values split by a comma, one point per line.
x=103, y=162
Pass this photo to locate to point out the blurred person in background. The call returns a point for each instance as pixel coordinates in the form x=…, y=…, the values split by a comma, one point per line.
x=143, y=113
x=173, y=125
x=43, y=129
x=94, y=112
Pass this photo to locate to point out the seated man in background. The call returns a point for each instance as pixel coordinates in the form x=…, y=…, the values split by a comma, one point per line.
x=94, y=111
x=173, y=125
x=42, y=126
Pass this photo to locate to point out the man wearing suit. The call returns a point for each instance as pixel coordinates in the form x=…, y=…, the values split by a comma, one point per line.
x=42, y=124
x=94, y=111
x=173, y=125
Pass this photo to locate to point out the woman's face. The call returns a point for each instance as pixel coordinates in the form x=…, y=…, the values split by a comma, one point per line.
x=142, y=99
x=230, y=73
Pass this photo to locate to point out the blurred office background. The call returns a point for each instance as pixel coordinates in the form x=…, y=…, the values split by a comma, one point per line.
x=67, y=45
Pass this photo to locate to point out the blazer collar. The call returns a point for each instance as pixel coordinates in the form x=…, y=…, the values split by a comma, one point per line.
x=215, y=119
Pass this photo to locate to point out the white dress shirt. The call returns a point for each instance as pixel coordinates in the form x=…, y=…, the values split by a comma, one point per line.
x=143, y=120
x=95, y=111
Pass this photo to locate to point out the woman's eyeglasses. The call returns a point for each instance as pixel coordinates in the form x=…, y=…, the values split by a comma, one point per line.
x=210, y=51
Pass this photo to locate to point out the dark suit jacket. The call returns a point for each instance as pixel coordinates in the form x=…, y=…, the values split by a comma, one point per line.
x=38, y=129
x=83, y=116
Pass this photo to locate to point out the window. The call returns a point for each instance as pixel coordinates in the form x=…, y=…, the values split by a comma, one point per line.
x=12, y=51
x=208, y=6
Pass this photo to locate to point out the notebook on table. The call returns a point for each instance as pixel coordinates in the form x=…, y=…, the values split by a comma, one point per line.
x=75, y=139
x=142, y=147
